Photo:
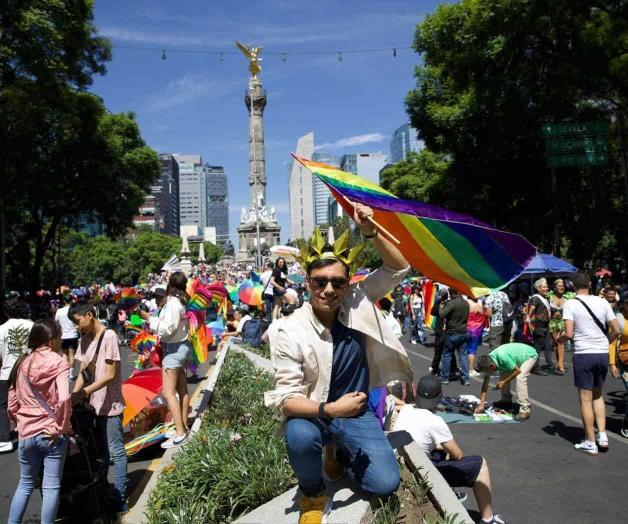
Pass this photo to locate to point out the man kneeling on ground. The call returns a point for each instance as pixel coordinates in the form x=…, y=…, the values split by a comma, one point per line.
x=328, y=355
x=432, y=433
x=514, y=361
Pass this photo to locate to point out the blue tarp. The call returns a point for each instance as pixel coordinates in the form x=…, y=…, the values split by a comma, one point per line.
x=543, y=263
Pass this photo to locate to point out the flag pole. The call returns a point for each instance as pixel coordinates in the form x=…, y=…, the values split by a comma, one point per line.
x=375, y=224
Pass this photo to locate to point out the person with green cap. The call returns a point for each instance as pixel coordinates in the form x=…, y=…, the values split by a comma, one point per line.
x=514, y=361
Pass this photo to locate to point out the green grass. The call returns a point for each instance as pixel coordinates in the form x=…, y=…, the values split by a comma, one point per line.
x=234, y=464
x=263, y=350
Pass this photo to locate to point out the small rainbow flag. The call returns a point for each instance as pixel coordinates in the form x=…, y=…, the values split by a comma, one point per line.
x=429, y=297
x=143, y=341
x=448, y=247
x=128, y=298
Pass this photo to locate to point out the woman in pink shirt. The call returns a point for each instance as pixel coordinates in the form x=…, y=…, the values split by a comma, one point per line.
x=40, y=406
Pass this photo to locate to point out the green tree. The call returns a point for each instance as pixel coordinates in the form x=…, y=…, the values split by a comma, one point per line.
x=149, y=250
x=213, y=253
x=102, y=260
x=492, y=72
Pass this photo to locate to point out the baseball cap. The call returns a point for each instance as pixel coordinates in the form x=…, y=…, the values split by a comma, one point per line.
x=429, y=392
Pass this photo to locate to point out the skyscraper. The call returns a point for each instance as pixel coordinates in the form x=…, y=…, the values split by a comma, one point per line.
x=404, y=140
x=301, y=191
x=160, y=209
x=192, y=194
x=321, y=193
x=217, y=203
x=365, y=165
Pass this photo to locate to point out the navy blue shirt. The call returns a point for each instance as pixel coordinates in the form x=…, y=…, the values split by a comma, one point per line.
x=350, y=371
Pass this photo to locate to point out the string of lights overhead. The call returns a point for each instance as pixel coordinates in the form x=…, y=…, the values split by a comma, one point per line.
x=284, y=55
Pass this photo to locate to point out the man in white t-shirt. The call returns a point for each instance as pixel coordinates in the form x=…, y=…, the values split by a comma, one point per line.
x=13, y=333
x=432, y=434
x=269, y=301
x=586, y=319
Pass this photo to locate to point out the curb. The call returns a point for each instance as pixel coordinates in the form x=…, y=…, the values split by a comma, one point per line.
x=136, y=513
x=257, y=360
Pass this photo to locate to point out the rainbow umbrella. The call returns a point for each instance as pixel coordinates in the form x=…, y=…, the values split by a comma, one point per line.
x=138, y=390
x=217, y=327
x=250, y=294
x=143, y=341
x=233, y=294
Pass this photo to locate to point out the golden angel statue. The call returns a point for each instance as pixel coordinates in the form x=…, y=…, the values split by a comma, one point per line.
x=252, y=53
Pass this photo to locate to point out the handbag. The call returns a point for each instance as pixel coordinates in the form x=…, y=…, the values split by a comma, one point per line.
x=87, y=374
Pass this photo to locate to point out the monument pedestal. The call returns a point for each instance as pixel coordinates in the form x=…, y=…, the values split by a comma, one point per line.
x=269, y=234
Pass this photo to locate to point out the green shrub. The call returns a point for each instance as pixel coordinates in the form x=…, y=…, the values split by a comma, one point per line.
x=234, y=464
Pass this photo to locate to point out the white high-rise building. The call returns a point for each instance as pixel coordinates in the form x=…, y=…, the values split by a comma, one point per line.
x=192, y=191
x=405, y=139
x=321, y=193
x=365, y=165
x=300, y=187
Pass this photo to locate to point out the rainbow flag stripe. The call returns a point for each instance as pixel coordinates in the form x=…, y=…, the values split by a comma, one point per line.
x=448, y=247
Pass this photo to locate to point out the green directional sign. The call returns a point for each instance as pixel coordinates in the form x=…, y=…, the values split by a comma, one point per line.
x=578, y=160
x=577, y=144
x=574, y=129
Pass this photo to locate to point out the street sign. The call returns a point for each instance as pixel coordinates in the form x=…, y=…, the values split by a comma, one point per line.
x=575, y=144
x=579, y=129
x=578, y=160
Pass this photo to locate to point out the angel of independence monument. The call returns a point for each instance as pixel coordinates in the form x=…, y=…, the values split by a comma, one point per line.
x=258, y=224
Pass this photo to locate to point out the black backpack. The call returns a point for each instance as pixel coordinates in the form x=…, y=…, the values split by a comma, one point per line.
x=508, y=312
x=252, y=332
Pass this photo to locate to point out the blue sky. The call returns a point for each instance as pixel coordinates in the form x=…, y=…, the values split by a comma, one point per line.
x=193, y=102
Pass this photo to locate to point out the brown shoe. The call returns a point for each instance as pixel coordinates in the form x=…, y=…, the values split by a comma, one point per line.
x=333, y=471
x=314, y=510
x=522, y=416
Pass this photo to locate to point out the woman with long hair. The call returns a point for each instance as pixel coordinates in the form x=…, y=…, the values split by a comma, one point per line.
x=40, y=406
x=278, y=281
x=172, y=327
x=557, y=324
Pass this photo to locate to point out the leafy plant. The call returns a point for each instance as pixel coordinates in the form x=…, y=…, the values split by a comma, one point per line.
x=262, y=351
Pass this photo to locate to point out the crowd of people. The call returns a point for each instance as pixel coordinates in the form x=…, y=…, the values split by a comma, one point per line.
x=331, y=350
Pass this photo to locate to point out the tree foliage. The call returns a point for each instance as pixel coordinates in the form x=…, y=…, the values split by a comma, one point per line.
x=65, y=158
x=492, y=72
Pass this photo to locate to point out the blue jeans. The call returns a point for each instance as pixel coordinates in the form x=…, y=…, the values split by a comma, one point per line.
x=417, y=326
x=269, y=304
x=360, y=439
x=32, y=453
x=110, y=442
x=455, y=342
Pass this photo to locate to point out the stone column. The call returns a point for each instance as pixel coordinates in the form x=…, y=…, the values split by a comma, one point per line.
x=257, y=163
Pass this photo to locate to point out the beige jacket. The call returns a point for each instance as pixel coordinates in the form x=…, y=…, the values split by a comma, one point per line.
x=302, y=349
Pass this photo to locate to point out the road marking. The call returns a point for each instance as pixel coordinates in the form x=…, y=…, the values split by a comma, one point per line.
x=538, y=403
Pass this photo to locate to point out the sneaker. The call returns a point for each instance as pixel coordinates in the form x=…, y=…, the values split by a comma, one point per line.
x=522, y=416
x=624, y=429
x=333, y=471
x=586, y=447
x=461, y=496
x=173, y=442
x=602, y=442
x=314, y=510
x=474, y=373
x=444, y=381
x=413, y=342
x=465, y=382
x=172, y=433
x=497, y=519
x=6, y=447
x=539, y=372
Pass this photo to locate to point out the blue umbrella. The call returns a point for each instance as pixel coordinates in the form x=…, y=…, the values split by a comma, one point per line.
x=543, y=263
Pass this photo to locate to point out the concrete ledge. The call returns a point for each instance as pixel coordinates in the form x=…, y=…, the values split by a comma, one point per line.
x=349, y=507
x=440, y=493
x=258, y=360
x=136, y=513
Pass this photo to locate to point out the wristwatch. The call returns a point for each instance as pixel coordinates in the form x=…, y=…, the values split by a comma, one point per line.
x=321, y=410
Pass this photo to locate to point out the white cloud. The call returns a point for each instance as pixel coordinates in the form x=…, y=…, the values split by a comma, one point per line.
x=190, y=87
x=162, y=38
x=352, y=141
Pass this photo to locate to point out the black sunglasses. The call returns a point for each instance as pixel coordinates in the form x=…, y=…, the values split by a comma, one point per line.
x=321, y=282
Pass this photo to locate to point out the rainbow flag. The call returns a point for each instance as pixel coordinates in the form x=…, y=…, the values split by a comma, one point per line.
x=448, y=247
x=429, y=297
x=128, y=298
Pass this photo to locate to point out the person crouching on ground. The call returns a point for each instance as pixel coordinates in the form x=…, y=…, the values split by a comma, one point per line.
x=41, y=406
x=431, y=432
x=172, y=328
x=100, y=380
x=327, y=356
x=514, y=361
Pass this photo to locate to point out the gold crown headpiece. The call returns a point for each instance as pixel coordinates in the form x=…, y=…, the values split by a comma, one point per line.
x=314, y=250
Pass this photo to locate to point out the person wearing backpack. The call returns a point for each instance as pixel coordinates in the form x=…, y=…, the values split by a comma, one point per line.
x=539, y=308
x=586, y=319
x=41, y=406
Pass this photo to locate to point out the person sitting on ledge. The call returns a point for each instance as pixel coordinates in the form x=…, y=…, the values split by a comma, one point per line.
x=327, y=355
x=432, y=434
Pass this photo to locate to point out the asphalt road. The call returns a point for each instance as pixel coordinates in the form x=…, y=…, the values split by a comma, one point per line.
x=139, y=468
x=537, y=475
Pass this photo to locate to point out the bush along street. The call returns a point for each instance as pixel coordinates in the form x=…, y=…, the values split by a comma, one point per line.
x=234, y=464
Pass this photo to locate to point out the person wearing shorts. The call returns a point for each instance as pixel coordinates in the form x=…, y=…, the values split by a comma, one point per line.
x=172, y=328
x=587, y=321
x=69, y=333
x=432, y=434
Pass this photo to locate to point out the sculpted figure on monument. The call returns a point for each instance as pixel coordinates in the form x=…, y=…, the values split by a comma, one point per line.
x=252, y=53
